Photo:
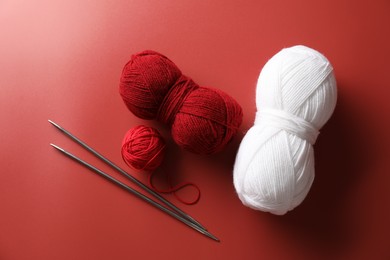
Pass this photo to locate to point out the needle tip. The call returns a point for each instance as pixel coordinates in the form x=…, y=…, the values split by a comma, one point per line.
x=56, y=125
x=211, y=236
x=51, y=122
x=57, y=147
x=217, y=239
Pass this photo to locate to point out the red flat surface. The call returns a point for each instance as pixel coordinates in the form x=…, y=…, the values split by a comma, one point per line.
x=62, y=60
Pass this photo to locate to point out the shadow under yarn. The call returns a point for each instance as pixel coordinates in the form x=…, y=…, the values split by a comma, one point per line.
x=172, y=171
x=341, y=161
x=211, y=173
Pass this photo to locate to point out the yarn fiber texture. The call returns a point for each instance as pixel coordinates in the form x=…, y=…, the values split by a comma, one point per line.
x=143, y=148
x=296, y=95
x=202, y=119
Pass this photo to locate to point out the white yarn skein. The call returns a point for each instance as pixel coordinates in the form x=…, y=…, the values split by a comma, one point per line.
x=296, y=94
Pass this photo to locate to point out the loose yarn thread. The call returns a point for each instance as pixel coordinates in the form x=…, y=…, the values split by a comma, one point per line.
x=296, y=95
x=174, y=190
x=143, y=149
x=202, y=120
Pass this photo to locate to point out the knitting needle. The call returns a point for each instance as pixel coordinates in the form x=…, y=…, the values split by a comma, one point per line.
x=136, y=193
x=123, y=172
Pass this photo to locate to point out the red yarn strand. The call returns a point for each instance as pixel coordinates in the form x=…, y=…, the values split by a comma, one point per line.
x=174, y=189
x=143, y=149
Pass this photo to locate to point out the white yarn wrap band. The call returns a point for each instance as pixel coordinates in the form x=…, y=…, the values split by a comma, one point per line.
x=289, y=123
x=295, y=96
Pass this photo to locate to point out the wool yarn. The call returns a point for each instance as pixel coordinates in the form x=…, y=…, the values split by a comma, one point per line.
x=295, y=96
x=143, y=148
x=202, y=119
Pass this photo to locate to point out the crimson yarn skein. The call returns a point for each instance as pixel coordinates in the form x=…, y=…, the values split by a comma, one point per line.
x=143, y=148
x=202, y=119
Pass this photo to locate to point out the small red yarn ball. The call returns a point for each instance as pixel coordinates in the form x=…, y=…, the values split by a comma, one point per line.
x=202, y=120
x=143, y=148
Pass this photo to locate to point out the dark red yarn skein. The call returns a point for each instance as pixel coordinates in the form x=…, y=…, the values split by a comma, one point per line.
x=202, y=120
x=143, y=148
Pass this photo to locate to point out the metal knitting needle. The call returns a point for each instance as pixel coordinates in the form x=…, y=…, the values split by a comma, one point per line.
x=137, y=194
x=130, y=177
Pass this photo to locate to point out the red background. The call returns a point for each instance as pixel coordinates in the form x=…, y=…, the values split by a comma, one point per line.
x=61, y=60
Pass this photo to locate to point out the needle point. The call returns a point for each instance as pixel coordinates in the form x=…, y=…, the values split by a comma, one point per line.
x=57, y=147
x=51, y=122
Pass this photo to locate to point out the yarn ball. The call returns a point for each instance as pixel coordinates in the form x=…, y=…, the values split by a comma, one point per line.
x=143, y=148
x=296, y=94
x=202, y=119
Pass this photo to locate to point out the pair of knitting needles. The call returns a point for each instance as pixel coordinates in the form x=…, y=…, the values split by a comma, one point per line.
x=173, y=211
